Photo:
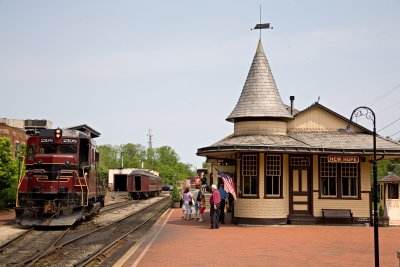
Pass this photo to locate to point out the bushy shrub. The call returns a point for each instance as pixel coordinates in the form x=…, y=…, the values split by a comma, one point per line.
x=8, y=173
x=175, y=196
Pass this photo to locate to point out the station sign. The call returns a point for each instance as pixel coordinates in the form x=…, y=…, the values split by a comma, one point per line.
x=343, y=159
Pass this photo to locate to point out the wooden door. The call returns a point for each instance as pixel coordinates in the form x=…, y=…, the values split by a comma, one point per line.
x=300, y=186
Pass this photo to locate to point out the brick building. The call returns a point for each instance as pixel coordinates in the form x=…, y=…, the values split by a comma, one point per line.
x=15, y=131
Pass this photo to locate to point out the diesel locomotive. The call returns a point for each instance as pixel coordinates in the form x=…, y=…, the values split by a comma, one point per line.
x=61, y=184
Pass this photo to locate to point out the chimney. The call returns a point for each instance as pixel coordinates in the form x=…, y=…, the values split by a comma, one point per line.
x=291, y=104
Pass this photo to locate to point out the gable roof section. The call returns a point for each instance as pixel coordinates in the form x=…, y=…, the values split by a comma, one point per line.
x=320, y=123
x=260, y=97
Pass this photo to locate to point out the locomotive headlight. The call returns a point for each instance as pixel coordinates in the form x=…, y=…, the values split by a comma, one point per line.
x=67, y=162
x=39, y=162
x=58, y=133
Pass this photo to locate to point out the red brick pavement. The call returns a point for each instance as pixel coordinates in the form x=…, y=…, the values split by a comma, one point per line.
x=191, y=243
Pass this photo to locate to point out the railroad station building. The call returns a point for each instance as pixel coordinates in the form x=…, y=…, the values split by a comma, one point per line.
x=289, y=165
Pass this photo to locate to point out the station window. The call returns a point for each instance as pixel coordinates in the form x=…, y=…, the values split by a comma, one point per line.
x=393, y=191
x=349, y=179
x=273, y=176
x=249, y=174
x=338, y=180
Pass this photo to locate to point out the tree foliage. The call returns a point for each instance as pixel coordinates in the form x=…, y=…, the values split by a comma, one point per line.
x=163, y=159
x=8, y=173
x=386, y=166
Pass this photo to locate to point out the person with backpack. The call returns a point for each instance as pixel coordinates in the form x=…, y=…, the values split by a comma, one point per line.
x=196, y=199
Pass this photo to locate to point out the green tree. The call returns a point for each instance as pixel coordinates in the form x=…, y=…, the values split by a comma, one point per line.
x=167, y=162
x=163, y=159
x=8, y=173
x=133, y=154
x=387, y=165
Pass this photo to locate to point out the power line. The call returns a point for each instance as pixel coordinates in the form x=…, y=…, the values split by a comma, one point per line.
x=389, y=124
x=379, y=98
x=394, y=134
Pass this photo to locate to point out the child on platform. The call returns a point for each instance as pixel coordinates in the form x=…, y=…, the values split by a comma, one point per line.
x=202, y=207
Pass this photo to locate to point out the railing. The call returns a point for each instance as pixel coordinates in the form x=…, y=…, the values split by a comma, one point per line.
x=82, y=191
x=20, y=177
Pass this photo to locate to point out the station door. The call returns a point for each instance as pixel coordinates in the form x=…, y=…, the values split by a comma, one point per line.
x=300, y=186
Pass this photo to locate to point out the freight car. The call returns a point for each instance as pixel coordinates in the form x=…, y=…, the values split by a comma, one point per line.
x=61, y=184
x=143, y=184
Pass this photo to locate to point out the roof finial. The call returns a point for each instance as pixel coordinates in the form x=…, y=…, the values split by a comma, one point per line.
x=262, y=25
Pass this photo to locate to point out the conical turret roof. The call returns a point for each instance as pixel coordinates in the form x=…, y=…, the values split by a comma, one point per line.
x=260, y=97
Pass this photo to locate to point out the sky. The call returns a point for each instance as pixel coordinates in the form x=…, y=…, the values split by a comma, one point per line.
x=178, y=67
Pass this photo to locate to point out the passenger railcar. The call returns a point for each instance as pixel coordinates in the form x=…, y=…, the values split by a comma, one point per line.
x=61, y=184
x=143, y=184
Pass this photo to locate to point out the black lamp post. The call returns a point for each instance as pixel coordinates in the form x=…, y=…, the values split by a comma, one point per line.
x=369, y=114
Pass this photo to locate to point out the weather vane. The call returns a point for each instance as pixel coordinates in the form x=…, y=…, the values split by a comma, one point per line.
x=261, y=26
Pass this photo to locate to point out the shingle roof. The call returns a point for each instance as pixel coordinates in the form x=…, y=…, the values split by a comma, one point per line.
x=260, y=97
x=391, y=177
x=321, y=142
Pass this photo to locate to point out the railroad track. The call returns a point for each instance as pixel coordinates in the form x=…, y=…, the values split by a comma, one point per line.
x=29, y=245
x=118, y=205
x=93, y=245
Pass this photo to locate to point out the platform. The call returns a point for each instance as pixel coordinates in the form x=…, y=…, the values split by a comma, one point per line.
x=176, y=242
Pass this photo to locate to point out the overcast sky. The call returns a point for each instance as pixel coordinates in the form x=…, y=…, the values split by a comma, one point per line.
x=178, y=67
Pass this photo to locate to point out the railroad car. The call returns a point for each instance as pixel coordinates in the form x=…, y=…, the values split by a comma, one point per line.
x=143, y=184
x=61, y=184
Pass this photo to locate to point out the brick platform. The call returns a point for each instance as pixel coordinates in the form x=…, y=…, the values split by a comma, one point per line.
x=175, y=242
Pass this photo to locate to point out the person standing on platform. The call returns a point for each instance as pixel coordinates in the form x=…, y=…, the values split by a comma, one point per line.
x=224, y=198
x=196, y=201
x=215, y=202
x=187, y=202
x=202, y=207
x=203, y=184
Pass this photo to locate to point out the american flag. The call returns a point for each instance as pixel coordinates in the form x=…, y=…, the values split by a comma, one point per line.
x=228, y=183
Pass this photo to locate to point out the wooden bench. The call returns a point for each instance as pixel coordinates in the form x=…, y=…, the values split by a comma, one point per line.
x=337, y=215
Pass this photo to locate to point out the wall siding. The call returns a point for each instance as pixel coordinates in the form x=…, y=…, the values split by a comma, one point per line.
x=317, y=119
x=266, y=208
x=279, y=208
x=360, y=208
x=260, y=127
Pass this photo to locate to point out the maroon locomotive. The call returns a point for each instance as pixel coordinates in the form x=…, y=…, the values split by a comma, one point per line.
x=60, y=185
x=143, y=184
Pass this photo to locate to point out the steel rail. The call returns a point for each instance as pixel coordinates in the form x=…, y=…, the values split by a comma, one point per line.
x=32, y=260
x=94, y=255
x=35, y=237
x=2, y=246
x=54, y=248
